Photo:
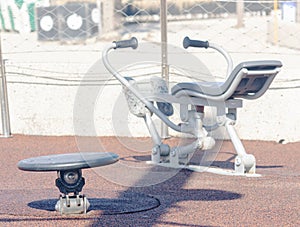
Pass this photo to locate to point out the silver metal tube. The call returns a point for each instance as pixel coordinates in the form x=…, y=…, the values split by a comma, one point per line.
x=164, y=55
x=124, y=82
x=226, y=56
x=239, y=147
x=189, y=148
x=151, y=127
x=4, y=99
x=164, y=40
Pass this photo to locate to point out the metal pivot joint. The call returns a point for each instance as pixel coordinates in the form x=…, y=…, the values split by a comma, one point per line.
x=71, y=181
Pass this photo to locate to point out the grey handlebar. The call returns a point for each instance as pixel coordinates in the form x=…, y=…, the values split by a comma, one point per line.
x=133, y=43
x=187, y=42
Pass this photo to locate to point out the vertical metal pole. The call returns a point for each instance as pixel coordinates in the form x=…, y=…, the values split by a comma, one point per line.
x=275, y=27
x=298, y=11
x=108, y=16
x=4, y=100
x=164, y=55
x=99, y=7
x=164, y=40
x=240, y=13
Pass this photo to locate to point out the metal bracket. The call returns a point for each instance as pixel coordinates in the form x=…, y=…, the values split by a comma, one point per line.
x=245, y=164
x=71, y=181
x=72, y=204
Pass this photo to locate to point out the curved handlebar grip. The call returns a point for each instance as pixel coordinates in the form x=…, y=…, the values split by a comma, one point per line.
x=187, y=42
x=133, y=43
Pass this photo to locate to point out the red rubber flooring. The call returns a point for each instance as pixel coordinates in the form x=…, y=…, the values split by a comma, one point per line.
x=133, y=193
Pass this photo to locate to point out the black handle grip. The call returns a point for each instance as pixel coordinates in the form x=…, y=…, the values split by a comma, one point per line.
x=133, y=43
x=187, y=42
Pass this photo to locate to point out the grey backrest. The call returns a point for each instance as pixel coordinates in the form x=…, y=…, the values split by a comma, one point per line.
x=255, y=81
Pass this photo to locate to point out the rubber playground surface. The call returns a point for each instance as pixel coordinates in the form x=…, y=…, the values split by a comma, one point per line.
x=128, y=194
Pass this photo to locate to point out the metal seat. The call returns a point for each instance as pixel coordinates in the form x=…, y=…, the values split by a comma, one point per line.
x=248, y=80
x=70, y=161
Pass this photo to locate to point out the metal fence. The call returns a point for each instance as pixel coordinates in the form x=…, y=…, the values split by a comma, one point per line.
x=130, y=15
x=51, y=44
x=67, y=20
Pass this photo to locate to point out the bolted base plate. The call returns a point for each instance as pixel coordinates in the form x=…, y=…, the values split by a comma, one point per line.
x=78, y=204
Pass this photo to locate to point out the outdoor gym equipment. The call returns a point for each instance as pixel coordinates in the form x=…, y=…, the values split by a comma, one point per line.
x=248, y=80
x=70, y=181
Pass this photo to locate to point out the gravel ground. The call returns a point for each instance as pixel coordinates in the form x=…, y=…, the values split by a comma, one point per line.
x=185, y=198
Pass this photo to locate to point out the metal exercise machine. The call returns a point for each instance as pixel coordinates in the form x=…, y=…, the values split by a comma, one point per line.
x=248, y=80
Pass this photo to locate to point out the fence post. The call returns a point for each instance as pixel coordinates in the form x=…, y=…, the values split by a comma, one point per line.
x=164, y=55
x=4, y=100
x=240, y=13
x=298, y=11
x=275, y=26
x=107, y=16
x=99, y=7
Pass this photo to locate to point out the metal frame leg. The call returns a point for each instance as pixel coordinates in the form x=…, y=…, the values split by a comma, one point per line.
x=244, y=163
